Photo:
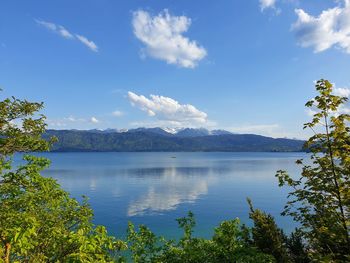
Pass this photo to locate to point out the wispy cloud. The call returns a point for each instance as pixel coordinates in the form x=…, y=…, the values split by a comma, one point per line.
x=265, y=4
x=163, y=38
x=90, y=44
x=168, y=110
x=71, y=122
x=55, y=28
x=330, y=28
x=117, y=113
x=63, y=32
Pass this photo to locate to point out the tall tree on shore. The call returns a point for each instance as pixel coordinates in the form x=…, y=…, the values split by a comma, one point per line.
x=320, y=199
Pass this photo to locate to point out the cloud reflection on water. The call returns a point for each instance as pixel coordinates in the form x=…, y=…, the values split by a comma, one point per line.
x=175, y=186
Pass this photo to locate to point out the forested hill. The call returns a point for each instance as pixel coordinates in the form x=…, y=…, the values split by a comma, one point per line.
x=148, y=140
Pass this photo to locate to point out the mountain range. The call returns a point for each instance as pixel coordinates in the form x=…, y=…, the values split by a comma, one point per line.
x=165, y=139
x=179, y=132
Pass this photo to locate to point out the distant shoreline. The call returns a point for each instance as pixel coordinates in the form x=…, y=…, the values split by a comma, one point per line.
x=152, y=141
x=95, y=151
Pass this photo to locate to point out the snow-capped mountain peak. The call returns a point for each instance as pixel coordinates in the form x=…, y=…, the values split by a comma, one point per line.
x=172, y=130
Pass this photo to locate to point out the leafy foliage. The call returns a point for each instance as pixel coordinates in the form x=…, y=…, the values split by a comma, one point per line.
x=227, y=245
x=297, y=249
x=270, y=239
x=320, y=200
x=20, y=130
x=265, y=229
x=39, y=222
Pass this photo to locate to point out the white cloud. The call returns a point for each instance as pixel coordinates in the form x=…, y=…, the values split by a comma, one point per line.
x=330, y=28
x=168, y=110
x=73, y=119
x=63, y=32
x=90, y=44
x=166, y=124
x=71, y=122
x=117, y=113
x=163, y=38
x=48, y=25
x=94, y=120
x=264, y=4
x=64, y=122
x=53, y=124
x=55, y=28
x=342, y=109
x=343, y=92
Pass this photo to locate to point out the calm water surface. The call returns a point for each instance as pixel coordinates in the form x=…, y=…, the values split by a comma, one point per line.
x=156, y=188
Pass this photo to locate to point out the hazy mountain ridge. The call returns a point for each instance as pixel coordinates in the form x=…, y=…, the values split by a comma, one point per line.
x=156, y=139
x=180, y=132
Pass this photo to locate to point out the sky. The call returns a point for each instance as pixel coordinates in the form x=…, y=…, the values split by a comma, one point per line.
x=244, y=66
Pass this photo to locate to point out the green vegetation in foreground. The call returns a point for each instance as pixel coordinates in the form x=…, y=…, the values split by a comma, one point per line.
x=39, y=222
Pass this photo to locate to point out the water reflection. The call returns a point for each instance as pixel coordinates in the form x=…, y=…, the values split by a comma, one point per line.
x=149, y=188
x=174, y=187
x=160, y=189
x=156, y=190
x=145, y=173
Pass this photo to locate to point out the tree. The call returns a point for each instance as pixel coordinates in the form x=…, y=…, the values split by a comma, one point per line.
x=267, y=236
x=297, y=249
x=39, y=222
x=228, y=244
x=20, y=130
x=270, y=239
x=320, y=198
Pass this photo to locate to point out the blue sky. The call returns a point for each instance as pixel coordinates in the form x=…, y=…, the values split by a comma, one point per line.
x=244, y=66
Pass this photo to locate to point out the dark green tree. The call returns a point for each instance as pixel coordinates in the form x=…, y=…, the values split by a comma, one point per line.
x=320, y=198
x=297, y=249
x=267, y=236
x=39, y=222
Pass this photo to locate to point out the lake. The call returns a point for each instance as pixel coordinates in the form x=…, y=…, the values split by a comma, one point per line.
x=156, y=188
